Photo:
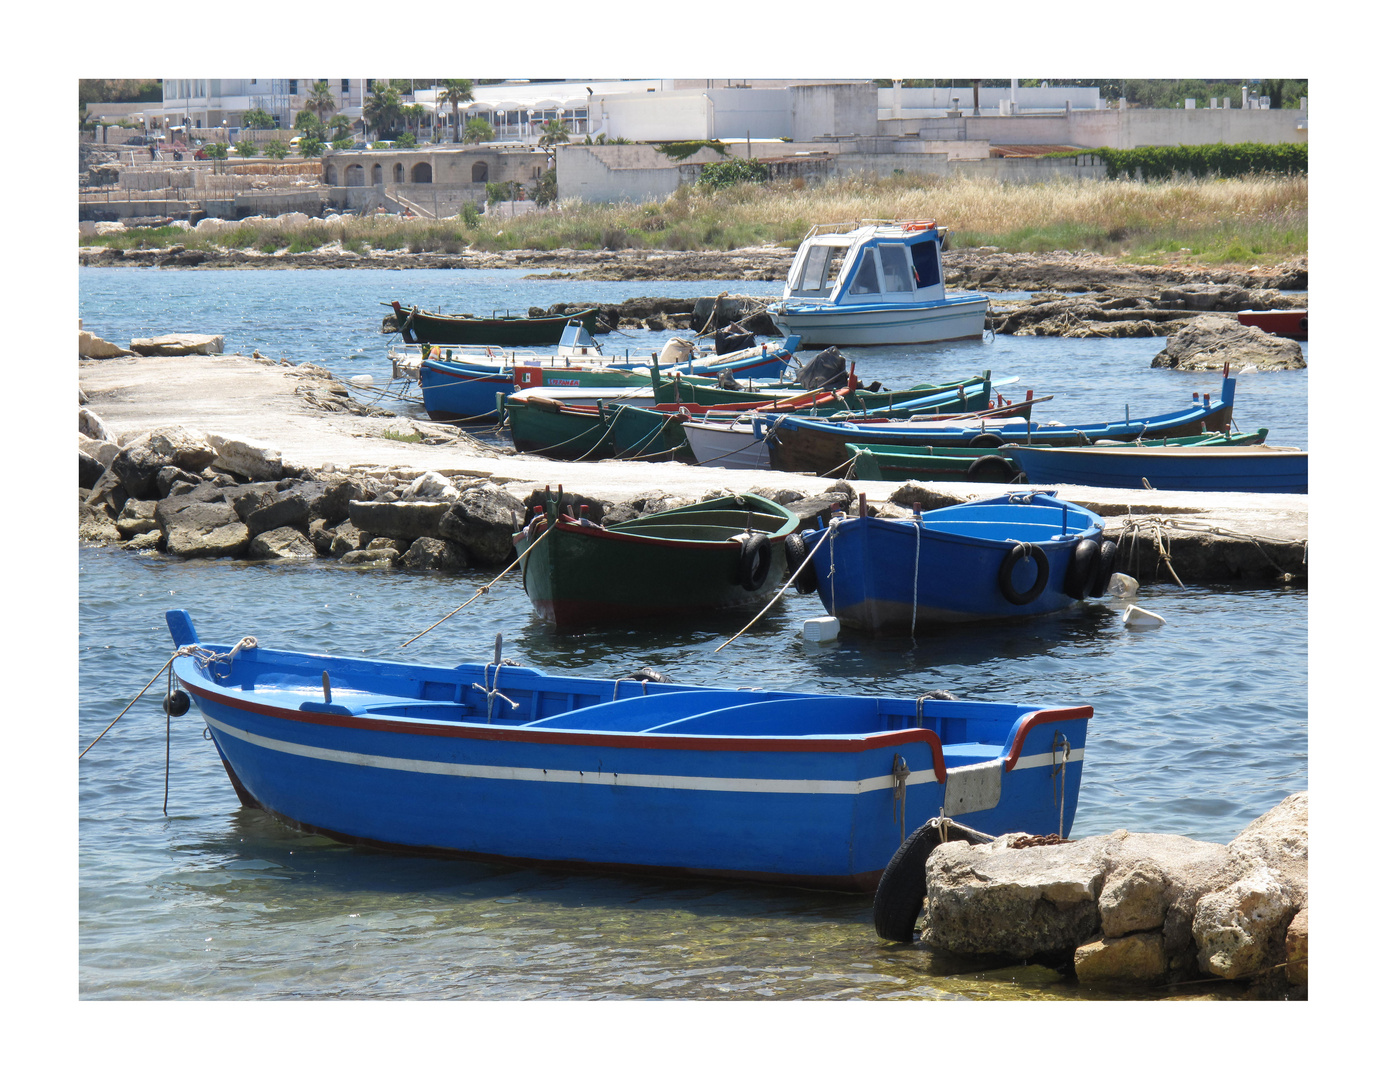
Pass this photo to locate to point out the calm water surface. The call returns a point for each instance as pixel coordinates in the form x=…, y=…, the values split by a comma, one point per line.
x=1199, y=726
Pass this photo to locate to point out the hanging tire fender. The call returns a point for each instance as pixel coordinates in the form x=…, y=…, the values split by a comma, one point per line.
x=1042, y=573
x=1083, y=564
x=985, y=439
x=754, y=563
x=991, y=469
x=796, y=555
x=900, y=895
x=1106, y=564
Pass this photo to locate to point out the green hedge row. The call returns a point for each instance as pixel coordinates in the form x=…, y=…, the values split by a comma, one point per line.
x=1213, y=159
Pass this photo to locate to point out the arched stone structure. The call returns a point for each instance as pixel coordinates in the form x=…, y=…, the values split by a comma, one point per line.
x=479, y=172
x=356, y=176
x=422, y=173
x=377, y=174
x=399, y=172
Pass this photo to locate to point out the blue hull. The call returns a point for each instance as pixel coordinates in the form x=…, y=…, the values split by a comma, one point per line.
x=1231, y=468
x=950, y=565
x=807, y=789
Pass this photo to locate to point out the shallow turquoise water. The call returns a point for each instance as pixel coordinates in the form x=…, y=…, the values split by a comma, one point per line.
x=1199, y=726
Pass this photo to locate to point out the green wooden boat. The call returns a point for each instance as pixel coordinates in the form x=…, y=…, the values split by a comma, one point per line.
x=987, y=465
x=723, y=554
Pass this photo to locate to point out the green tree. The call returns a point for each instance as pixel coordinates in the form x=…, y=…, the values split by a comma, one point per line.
x=311, y=146
x=276, y=149
x=382, y=111
x=308, y=123
x=407, y=140
x=321, y=102
x=344, y=143
x=247, y=148
x=546, y=188
x=478, y=131
x=456, y=92
x=721, y=174
x=257, y=119
x=341, y=126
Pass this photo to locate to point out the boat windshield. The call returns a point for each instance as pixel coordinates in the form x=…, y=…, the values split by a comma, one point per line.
x=819, y=270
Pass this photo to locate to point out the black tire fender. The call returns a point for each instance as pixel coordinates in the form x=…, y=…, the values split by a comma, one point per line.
x=991, y=469
x=796, y=555
x=1107, y=563
x=1083, y=564
x=900, y=895
x=1042, y=573
x=176, y=703
x=755, y=562
x=985, y=439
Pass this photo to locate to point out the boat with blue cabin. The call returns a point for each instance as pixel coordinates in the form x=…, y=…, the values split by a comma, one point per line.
x=1020, y=554
x=501, y=762
x=875, y=283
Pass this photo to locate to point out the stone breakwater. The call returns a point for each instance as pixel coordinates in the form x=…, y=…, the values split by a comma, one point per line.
x=1132, y=908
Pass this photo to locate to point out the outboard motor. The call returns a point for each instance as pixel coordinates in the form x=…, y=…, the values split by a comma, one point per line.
x=827, y=371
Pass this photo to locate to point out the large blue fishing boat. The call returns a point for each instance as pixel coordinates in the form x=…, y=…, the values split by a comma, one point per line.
x=501, y=762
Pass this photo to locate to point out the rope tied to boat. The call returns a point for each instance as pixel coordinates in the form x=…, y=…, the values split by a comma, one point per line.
x=915, y=591
x=1058, y=766
x=808, y=559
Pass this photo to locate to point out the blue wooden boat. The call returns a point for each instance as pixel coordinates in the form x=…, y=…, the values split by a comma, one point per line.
x=463, y=387
x=889, y=290
x=502, y=762
x=1022, y=554
x=812, y=445
x=1207, y=467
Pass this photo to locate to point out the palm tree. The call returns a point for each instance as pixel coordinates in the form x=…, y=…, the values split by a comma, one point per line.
x=456, y=92
x=382, y=110
x=321, y=101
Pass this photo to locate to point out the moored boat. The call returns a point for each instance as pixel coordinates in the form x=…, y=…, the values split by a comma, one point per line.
x=418, y=327
x=1284, y=323
x=722, y=554
x=807, y=444
x=875, y=283
x=1203, y=467
x=1017, y=555
x=502, y=762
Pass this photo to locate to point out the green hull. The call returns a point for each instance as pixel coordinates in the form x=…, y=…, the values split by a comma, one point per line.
x=695, y=560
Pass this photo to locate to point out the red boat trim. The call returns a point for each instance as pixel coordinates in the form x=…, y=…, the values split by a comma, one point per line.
x=1043, y=716
x=498, y=733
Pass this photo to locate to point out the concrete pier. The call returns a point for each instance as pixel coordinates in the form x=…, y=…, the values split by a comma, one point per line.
x=1190, y=537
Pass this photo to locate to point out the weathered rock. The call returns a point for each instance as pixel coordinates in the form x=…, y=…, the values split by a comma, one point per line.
x=1280, y=839
x=481, y=522
x=406, y=521
x=1137, y=958
x=254, y=461
x=94, y=525
x=170, y=476
x=278, y=512
x=345, y=537
x=179, y=345
x=1133, y=898
x=137, y=516
x=108, y=492
x=1298, y=949
x=201, y=524
x=1208, y=342
x=89, y=470
x=91, y=347
x=145, y=541
x=103, y=450
x=140, y=460
x=370, y=557
x=1207, y=297
x=332, y=503
x=1240, y=929
x=281, y=543
x=91, y=425
x=427, y=553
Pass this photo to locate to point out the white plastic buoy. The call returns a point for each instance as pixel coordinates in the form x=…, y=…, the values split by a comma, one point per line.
x=824, y=628
x=362, y=380
x=1140, y=617
x=1122, y=586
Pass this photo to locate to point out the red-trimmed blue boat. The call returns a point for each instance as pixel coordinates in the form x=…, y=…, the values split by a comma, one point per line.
x=502, y=762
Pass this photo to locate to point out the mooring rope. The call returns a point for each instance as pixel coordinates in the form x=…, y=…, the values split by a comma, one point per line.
x=789, y=581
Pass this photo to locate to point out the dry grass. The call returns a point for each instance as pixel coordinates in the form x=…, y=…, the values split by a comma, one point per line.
x=1255, y=219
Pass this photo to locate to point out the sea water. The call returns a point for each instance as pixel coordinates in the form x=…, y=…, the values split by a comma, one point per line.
x=1200, y=725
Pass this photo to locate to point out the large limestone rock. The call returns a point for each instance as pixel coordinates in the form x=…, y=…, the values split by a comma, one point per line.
x=179, y=345
x=94, y=525
x=91, y=347
x=281, y=543
x=1208, y=342
x=139, y=461
x=254, y=461
x=482, y=522
x=201, y=524
x=399, y=520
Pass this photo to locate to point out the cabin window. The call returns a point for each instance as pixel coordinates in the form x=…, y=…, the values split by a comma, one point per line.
x=865, y=280
x=820, y=269
x=926, y=263
x=895, y=269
